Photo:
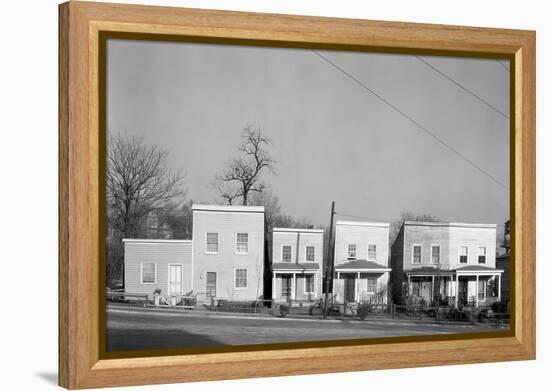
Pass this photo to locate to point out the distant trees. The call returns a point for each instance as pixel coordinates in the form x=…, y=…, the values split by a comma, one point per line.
x=395, y=225
x=242, y=176
x=140, y=186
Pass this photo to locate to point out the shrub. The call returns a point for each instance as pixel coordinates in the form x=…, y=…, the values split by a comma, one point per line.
x=362, y=311
x=284, y=309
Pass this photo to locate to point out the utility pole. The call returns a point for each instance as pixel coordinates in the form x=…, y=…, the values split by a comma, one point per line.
x=330, y=259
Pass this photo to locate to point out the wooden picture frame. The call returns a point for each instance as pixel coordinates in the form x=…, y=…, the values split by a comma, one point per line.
x=81, y=289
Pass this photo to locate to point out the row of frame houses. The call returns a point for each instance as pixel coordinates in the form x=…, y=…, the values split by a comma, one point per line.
x=226, y=258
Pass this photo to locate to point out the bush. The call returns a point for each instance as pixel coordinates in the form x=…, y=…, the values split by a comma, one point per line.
x=284, y=309
x=499, y=307
x=362, y=311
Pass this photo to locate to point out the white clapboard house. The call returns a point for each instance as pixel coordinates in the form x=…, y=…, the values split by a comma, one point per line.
x=361, y=272
x=297, y=264
x=223, y=260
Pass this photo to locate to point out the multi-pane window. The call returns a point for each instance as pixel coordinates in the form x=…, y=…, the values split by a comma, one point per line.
x=352, y=251
x=211, y=242
x=241, y=278
x=372, y=252
x=481, y=290
x=148, y=273
x=436, y=254
x=309, y=284
x=463, y=254
x=211, y=284
x=482, y=255
x=242, y=243
x=417, y=254
x=371, y=285
x=287, y=253
x=310, y=253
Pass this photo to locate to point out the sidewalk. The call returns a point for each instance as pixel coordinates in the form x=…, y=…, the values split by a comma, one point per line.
x=374, y=318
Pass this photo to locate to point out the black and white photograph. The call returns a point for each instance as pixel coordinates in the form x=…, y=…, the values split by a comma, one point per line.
x=269, y=195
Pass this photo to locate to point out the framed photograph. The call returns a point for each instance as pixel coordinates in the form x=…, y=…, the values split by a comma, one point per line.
x=248, y=195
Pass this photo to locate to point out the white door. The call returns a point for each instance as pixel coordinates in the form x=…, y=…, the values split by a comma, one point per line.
x=175, y=286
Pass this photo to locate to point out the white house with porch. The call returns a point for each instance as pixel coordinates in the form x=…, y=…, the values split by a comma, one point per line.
x=296, y=268
x=453, y=263
x=361, y=271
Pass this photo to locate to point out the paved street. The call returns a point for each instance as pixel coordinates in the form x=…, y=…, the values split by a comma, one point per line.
x=135, y=330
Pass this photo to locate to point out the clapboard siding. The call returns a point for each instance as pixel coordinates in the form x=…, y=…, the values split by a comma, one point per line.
x=162, y=253
x=362, y=235
x=299, y=239
x=227, y=224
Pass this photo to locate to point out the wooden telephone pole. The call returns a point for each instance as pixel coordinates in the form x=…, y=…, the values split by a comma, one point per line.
x=330, y=258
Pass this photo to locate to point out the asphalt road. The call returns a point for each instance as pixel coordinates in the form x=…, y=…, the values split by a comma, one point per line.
x=135, y=330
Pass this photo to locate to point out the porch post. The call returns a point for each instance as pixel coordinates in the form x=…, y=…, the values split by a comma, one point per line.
x=357, y=286
x=433, y=287
x=456, y=291
x=499, y=281
x=477, y=290
x=293, y=287
x=409, y=284
x=274, y=286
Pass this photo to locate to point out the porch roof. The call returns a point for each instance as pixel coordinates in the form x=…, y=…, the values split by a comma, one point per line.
x=361, y=265
x=291, y=266
x=428, y=271
x=473, y=269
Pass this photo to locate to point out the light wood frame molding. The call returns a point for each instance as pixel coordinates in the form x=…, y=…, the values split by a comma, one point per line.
x=81, y=364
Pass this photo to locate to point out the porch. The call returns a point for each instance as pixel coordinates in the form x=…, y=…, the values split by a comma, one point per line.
x=296, y=283
x=360, y=282
x=469, y=286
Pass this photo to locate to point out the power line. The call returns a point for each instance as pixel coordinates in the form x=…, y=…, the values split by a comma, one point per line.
x=503, y=65
x=391, y=105
x=462, y=87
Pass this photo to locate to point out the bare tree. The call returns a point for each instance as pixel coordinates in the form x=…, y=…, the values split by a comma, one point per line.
x=139, y=181
x=243, y=174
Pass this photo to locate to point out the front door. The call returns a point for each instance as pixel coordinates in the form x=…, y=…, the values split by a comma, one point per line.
x=349, y=289
x=211, y=284
x=426, y=290
x=286, y=286
x=175, y=286
x=463, y=292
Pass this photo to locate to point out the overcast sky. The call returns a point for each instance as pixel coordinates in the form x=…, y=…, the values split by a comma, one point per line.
x=332, y=139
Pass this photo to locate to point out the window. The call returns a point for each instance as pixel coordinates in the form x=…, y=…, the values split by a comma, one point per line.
x=310, y=253
x=417, y=253
x=242, y=243
x=309, y=284
x=463, y=254
x=287, y=253
x=372, y=252
x=211, y=284
x=148, y=273
x=482, y=255
x=352, y=251
x=436, y=254
x=371, y=285
x=241, y=278
x=481, y=290
x=212, y=242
